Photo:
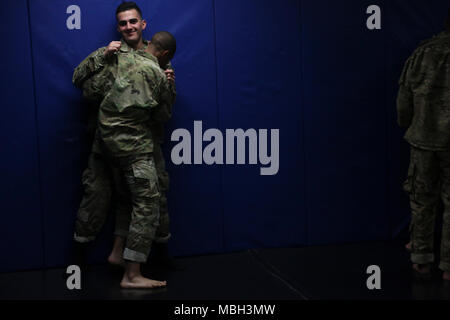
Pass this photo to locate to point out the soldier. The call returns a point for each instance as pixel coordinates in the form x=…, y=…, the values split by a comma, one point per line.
x=423, y=106
x=98, y=191
x=123, y=144
x=97, y=185
x=159, y=248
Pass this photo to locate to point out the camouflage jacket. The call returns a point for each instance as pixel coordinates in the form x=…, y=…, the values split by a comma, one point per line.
x=423, y=101
x=158, y=127
x=96, y=75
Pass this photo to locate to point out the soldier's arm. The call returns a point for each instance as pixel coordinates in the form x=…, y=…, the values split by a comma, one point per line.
x=94, y=88
x=94, y=63
x=163, y=112
x=405, y=98
x=405, y=106
x=173, y=90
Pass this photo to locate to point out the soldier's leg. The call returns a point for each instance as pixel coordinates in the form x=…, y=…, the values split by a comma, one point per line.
x=408, y=246
x=407, y=186
x=160, y=252
x=142, y=181
x=424, y=193
x=445, y=194
x=94, y=207
x=123, y=208
x=123, y=211
x=163, y=232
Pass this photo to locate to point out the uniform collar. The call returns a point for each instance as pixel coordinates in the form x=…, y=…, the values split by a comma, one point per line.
x=148, y=56
x=126, y=48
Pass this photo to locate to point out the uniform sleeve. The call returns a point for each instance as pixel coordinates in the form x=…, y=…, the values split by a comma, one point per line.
x=88, y=67
x=172, y=87
x=98, y=85
x=163, y=112
x=405, y=98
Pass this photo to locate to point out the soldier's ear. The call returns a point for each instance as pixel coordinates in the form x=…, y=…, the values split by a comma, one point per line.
x=144, y=24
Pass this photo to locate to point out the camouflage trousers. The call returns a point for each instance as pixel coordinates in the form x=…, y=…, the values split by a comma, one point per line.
x=123, y=216
x=134, y=183
x=428, y=182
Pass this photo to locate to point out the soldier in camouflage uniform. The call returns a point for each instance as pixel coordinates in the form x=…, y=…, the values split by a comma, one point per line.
x=123, y=145
x=96, y=178
x=423, y=106
x=160, y=253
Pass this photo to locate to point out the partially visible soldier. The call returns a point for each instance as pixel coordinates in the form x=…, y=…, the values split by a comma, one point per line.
x=123, y=140
x=95, y=80
x=423, y=106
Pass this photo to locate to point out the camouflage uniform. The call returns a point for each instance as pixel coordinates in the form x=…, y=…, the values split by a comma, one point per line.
x=423, y=106
x=123, y=145
x=96, y=80
x=157, y=129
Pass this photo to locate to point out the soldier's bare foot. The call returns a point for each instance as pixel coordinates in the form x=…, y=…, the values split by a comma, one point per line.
x=133, y=279
x=422, y=269
x=408, y=247
x=140, y=282
x=446, y=276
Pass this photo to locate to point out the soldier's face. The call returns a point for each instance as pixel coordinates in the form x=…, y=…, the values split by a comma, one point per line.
x=130, y=26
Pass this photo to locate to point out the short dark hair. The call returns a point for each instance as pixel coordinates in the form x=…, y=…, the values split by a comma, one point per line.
x=164, y=40
x=128, y=5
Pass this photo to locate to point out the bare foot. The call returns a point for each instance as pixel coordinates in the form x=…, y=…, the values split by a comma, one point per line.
x=408, y=247
x=423, y=269
x=139, y=282
x=446, y=276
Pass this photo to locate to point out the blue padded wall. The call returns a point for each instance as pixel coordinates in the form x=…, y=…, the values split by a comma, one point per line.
x=194, y=196
x=20, y=208
x=309, y=68
x=345, y=122
x=258, y=72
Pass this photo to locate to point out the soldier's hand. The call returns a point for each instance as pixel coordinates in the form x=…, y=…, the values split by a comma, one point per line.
x=112, y=48
x=170, y=75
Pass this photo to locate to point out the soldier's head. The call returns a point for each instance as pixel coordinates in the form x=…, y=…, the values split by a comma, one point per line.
x=163, y=46
x=130, y=23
